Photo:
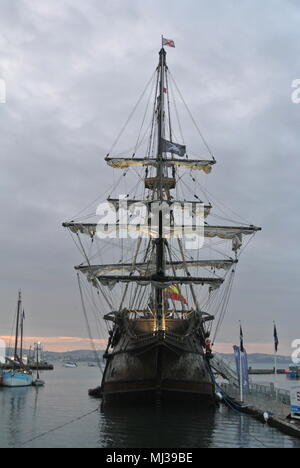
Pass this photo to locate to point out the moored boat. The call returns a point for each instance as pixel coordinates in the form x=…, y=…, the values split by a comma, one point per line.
x=17, y=378
x=19, y=375
x=70, y=365
x=293, y=372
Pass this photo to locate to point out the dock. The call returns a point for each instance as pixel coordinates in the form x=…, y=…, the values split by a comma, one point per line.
x=266, y=371
x=262, y=400
x=40, y=367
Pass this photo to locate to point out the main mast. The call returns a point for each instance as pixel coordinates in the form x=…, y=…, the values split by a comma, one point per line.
x=160, y=270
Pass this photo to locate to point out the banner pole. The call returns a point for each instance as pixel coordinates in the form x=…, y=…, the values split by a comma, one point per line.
x=241, y=378
x=275, y=373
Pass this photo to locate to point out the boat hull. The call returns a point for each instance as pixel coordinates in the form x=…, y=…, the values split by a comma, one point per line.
x=16, y=379
x=158, y=374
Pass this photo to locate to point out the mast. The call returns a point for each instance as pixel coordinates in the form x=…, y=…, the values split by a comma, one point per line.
x=37, y=360
x=22, y=334
x=17, y=326
x=160, y=119
x=160, y=272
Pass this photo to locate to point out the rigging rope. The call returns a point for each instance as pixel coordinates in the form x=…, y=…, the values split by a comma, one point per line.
x=192, y=118
x=144, y=118
x=226, y=299
x=131, y=114
x=88, y=325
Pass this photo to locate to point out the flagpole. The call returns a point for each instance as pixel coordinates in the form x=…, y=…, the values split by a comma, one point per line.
x=241, y=370
x=275, y=361
x=241, y=378
x=275, y=381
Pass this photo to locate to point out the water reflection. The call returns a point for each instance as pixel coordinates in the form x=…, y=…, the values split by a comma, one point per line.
x=146, y=427
x=13, y=403
x=28, y=412
x=186, y=427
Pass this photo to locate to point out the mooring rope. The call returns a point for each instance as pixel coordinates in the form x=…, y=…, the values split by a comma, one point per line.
x=228, y=402
x=79, y=418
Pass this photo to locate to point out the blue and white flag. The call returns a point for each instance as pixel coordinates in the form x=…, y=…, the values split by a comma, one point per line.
x=241, y=360
x=170, y=147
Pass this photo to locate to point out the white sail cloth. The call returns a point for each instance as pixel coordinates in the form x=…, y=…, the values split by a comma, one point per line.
x=149, y=269
x=192, y=164
x=214, y=283
x=223, y=232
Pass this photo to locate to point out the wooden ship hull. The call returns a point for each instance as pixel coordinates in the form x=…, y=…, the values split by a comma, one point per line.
x=155, y=376
x=158, y=366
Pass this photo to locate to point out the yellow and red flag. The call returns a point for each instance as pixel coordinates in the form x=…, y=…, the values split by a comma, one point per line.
x=173, y=293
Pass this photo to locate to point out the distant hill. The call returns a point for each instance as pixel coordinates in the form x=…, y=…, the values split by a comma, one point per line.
x=88, y=356
x=267, y=359
x=78, y=355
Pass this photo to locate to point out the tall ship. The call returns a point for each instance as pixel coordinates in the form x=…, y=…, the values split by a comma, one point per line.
x=156, y=268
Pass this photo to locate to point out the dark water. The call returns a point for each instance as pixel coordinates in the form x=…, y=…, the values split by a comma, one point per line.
x=28, y=413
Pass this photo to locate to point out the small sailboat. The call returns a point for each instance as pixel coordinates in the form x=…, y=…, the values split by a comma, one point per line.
x=18, y=375
x=70, y=365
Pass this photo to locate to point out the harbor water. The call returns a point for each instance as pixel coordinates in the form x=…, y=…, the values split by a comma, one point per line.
x=63, y=415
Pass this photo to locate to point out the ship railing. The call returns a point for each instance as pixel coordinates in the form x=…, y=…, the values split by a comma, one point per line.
x=149, y=314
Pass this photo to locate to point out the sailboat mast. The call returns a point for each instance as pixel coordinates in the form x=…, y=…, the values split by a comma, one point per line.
x=17, y=326
x=37, y=360
x=22, y=335
x=160, y=272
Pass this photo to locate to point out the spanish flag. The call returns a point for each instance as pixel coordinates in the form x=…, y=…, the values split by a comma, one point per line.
x=173, y=293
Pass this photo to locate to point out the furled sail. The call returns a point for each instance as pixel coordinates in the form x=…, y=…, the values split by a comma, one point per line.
x=192, y=164
x=111, y=281
x=144, y=268
x=190, y=206
x=223, y=232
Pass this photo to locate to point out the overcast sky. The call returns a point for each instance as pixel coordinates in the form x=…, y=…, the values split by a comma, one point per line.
x=73, y=71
